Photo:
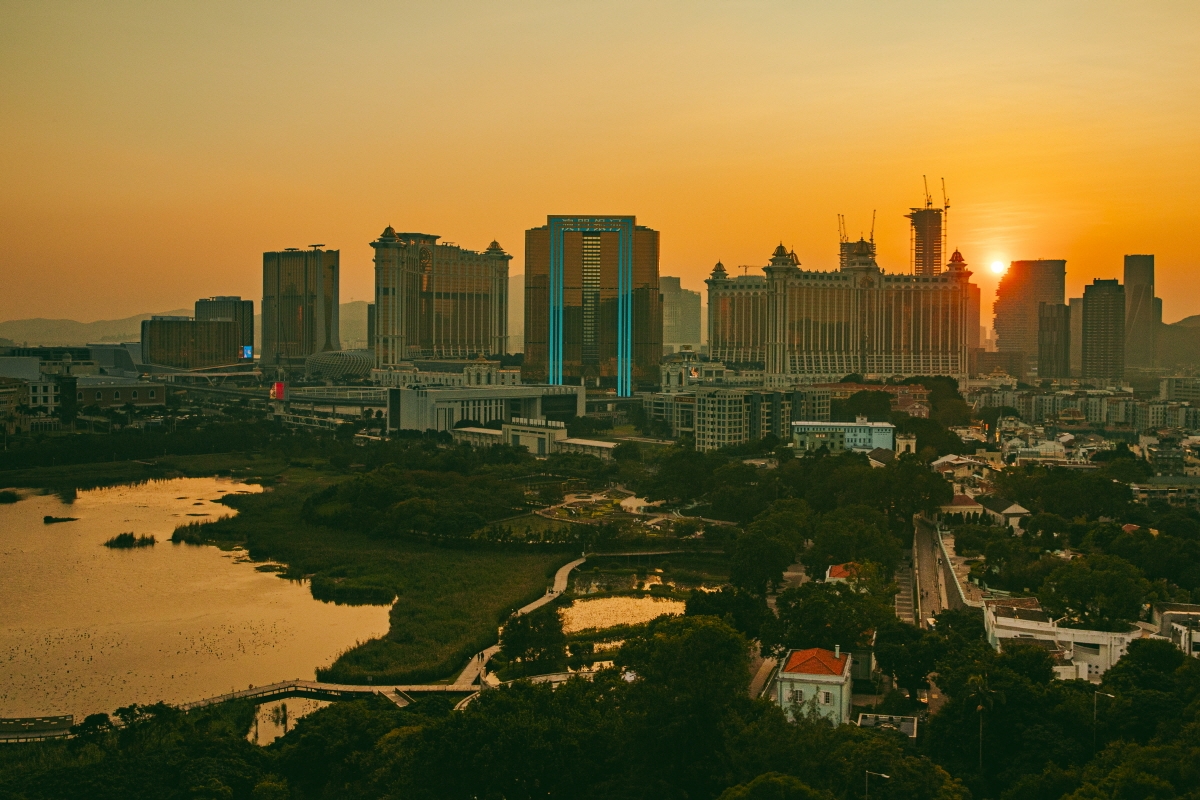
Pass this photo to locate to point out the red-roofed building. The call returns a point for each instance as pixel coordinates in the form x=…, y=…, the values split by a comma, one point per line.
x=815, y=679
x=840, y=573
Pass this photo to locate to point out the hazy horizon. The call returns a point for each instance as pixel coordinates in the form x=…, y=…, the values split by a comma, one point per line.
x=153, y=152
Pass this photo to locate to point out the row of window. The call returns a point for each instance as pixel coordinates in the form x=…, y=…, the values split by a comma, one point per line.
x=152, y=394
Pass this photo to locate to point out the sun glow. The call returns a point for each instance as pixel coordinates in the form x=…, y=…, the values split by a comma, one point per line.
x=998, y=267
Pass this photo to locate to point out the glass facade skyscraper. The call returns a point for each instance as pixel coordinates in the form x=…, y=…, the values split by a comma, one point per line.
x=300, y=305
x=593, y=311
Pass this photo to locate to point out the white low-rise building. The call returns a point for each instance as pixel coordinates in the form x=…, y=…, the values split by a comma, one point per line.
x=1087, y=654
x=838, y=436
x=816, y=679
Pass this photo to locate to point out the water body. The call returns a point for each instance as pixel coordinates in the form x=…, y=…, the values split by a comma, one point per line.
x=86, y=629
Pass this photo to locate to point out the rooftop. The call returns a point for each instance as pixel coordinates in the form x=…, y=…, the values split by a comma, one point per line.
x=815, y=661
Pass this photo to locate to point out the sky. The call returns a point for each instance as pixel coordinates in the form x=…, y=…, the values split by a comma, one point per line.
x=150, y=152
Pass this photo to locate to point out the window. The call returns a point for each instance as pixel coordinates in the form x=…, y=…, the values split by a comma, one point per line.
x=135, y=394
x=98, y=395
x=117, y=395
x=151, y=394
x=826, y=698
x=796, y=696
x=79, y=395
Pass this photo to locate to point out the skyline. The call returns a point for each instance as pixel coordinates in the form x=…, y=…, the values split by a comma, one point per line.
x=168, y=148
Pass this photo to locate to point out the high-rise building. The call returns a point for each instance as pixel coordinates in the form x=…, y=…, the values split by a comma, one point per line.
x=593, y=312
x=1104, y=331
x=186, y=343
x=1075, y=314
x=1025, y=286
x=681, y=314
x=371, y=327
x=1143, y=311
x=437, y=300
x=235, y=309
x=516, y=314
x=1054, y=341
x=806, y=325
x=300, y=305
x=926, y=239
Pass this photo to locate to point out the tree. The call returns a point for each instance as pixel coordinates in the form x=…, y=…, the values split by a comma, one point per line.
x=627, y=451
x=852, y=533
x=744, y=611
x=823, y=615
x=759, y=561
x=875, y=405
x=535, y=639
x=1100, y=592
x=774, y=786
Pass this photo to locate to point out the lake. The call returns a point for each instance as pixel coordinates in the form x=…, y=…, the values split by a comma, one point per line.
x=85, y=628
x=606, y=612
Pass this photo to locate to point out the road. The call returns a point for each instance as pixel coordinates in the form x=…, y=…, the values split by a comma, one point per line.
x=927, y=558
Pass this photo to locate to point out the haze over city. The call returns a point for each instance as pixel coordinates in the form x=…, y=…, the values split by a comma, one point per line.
x=153, y=152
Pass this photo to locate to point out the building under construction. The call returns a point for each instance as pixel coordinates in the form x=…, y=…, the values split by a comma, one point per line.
x=928, y=238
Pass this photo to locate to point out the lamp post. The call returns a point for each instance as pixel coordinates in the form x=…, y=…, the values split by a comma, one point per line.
x=867, y=781
x=1095, y=707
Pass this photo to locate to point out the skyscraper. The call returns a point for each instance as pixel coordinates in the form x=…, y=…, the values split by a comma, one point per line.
x=1054, y=341
x=1143, y=311
x=186, y=343
x=1104, y=331
x=593, y=312
x=300, y=305
x=1075, y=314
x=1023, y=288
x=437, y=300
x=681, y=314
x=239, y=311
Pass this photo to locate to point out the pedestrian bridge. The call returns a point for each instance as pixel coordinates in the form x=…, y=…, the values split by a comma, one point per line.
x=316, y=690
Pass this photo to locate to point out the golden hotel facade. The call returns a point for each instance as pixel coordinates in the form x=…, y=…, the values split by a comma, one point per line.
x=805, y=326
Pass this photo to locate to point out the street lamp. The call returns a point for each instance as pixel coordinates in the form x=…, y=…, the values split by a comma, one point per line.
x=867, y=781
x=1095, y=706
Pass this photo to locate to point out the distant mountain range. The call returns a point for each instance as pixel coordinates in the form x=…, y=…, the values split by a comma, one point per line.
x=70, y=332
x=352, y=318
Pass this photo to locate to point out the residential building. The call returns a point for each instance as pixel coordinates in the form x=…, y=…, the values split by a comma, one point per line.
x=911, y=398
x=1075, y=316
x=815, y=680
x=837, y=437
x=1143, y=311
x=1002, y=511
x=15, y=404
x=1104, y=332
x=1179, y=622
x=1085, y=654
x=437, y=300
x=1054, y=341
x=1174, y=490
x=841, y=573
x=237, y=310
x=299, y=305
x=593, y=311
x=681, y=315
x=1024, y=287
x=1180, y=388
x=440, y=408
x=186, y=343
x=807, y=325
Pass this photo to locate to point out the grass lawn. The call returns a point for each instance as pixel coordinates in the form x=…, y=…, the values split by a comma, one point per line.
x=112, y=473
x=450, y=601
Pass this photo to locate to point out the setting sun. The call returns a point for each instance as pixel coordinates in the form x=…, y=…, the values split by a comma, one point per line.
x=998, y=267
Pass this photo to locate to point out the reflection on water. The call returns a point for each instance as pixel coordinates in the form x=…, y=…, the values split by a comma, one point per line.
x=276, y=718
x=605, y=612
x=85, y=628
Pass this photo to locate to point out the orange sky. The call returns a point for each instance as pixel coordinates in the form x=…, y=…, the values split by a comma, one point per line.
x=149, y=152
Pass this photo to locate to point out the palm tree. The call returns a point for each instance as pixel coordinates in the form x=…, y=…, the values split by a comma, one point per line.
x=984, y=698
